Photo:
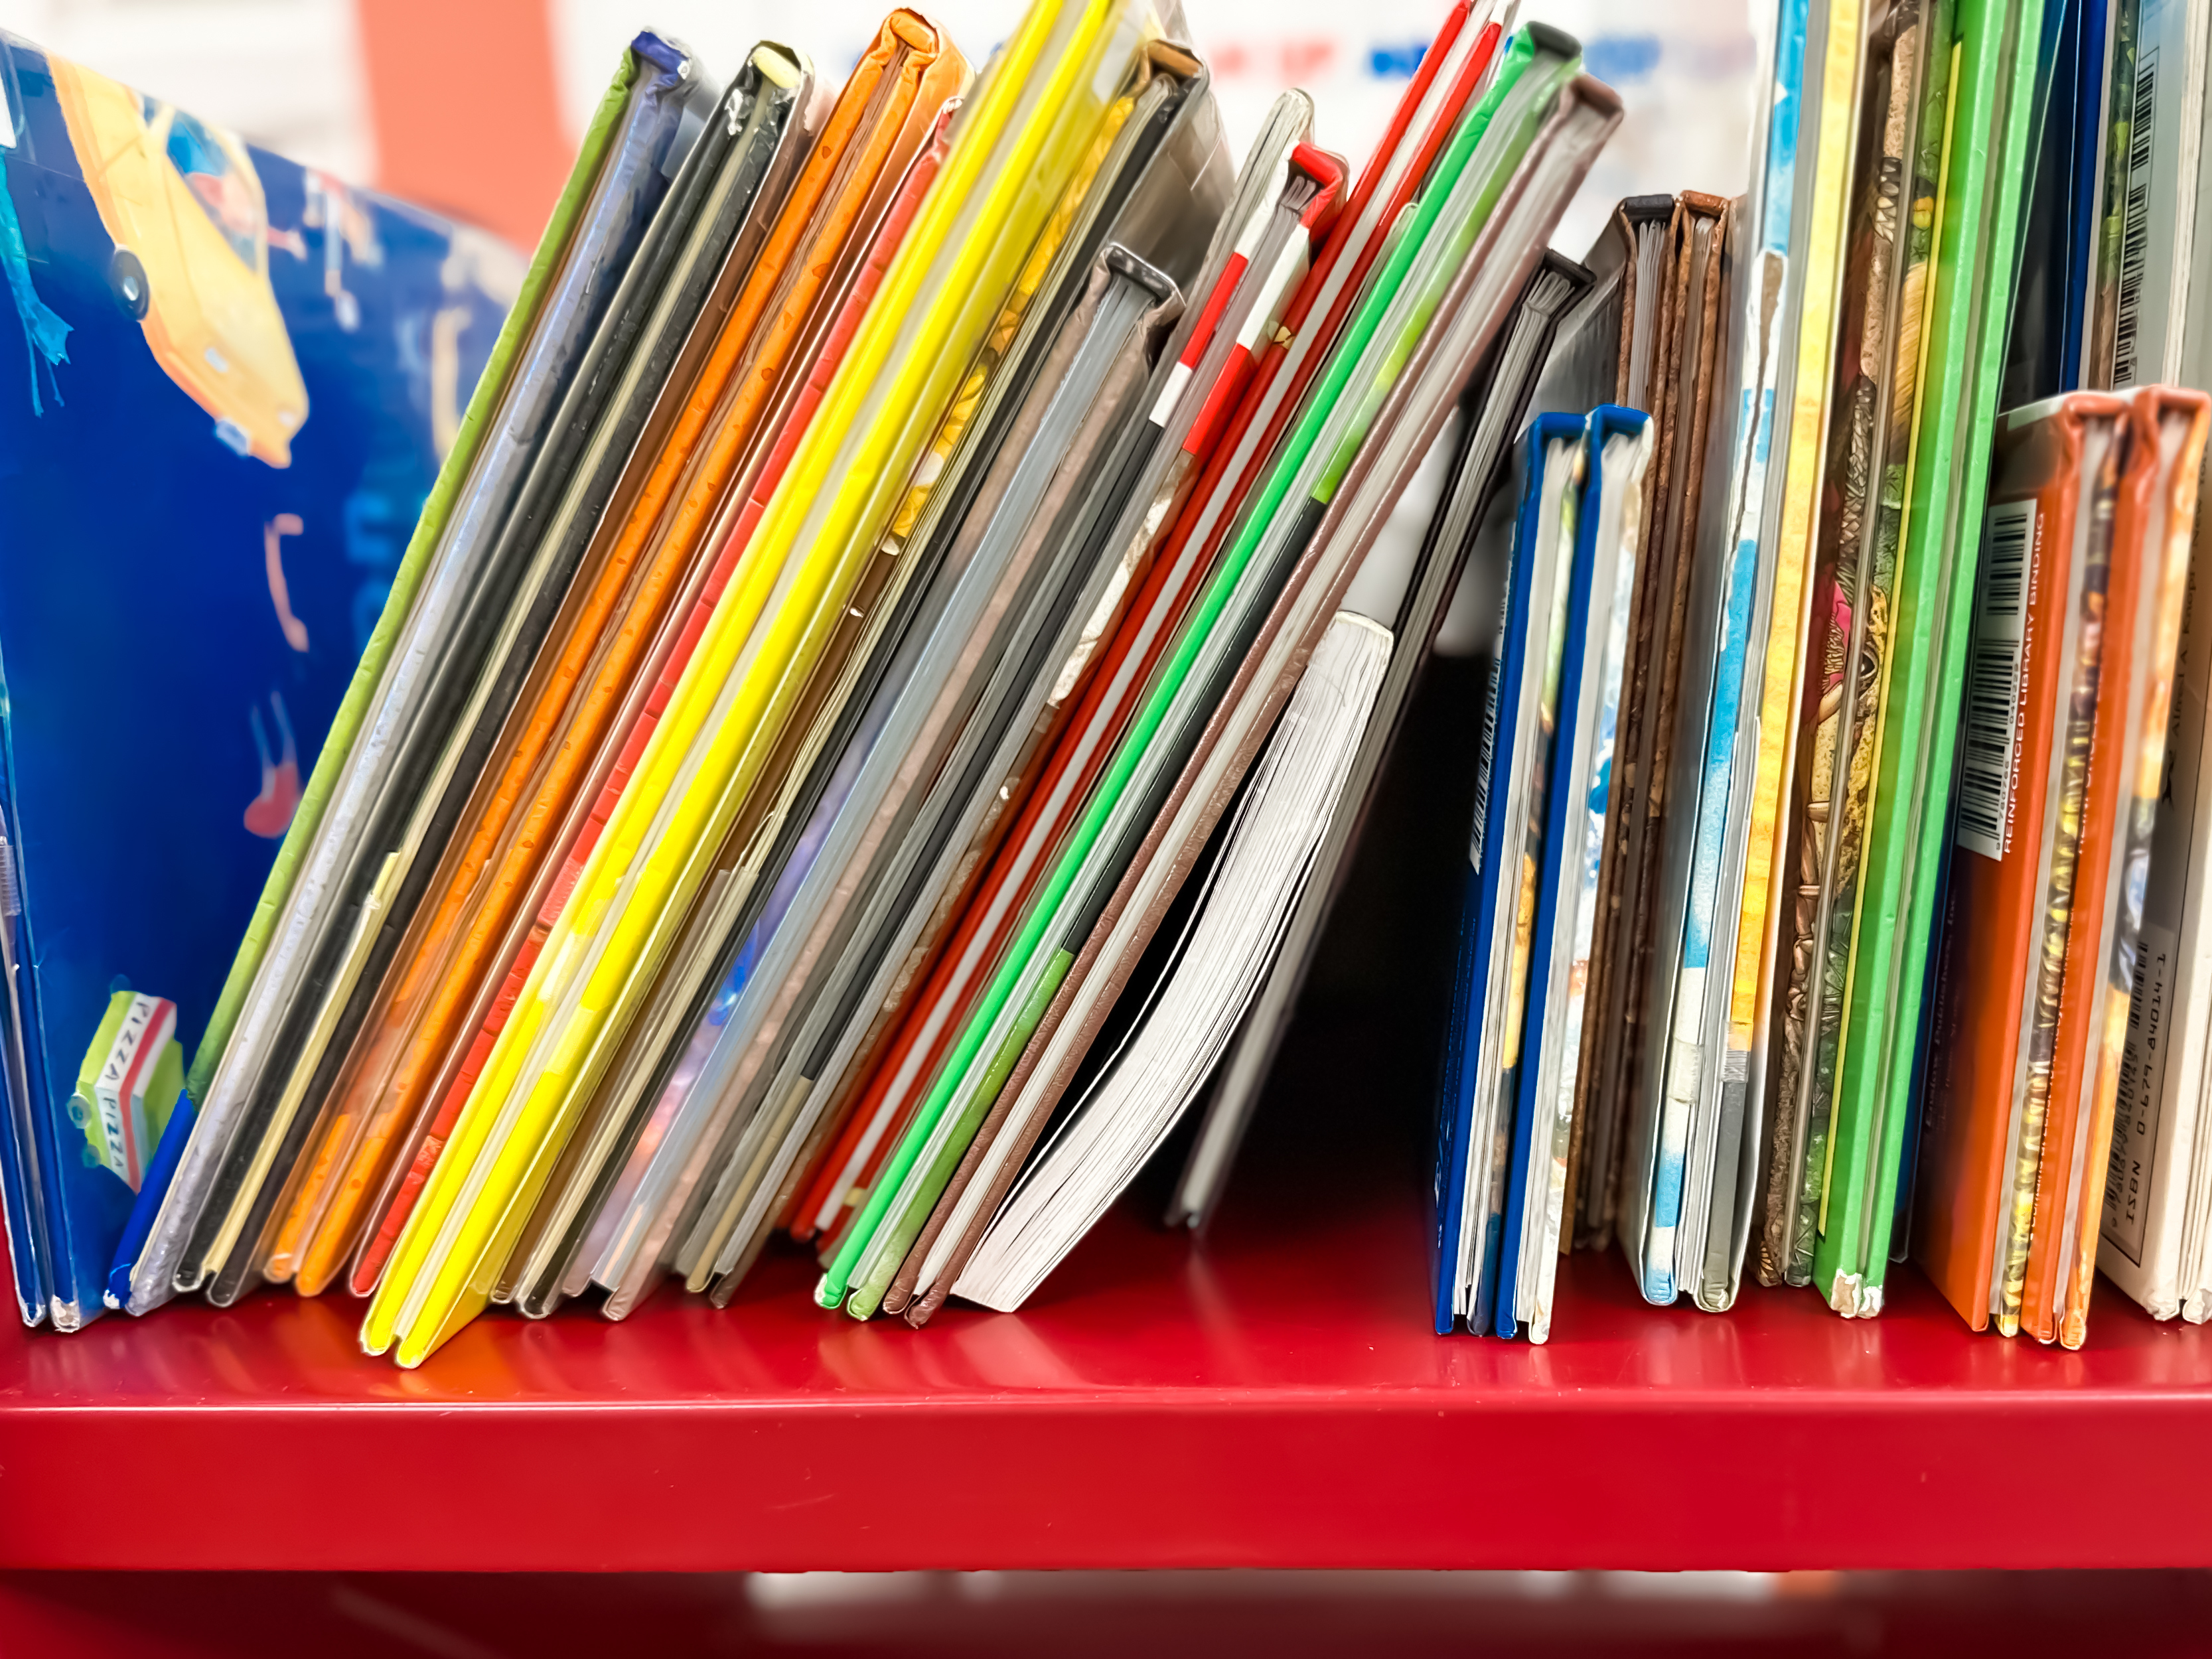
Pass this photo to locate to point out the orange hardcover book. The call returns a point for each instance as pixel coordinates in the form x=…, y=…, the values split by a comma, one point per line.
x=2153, y=518
x=880, y=121
x=2026, y=719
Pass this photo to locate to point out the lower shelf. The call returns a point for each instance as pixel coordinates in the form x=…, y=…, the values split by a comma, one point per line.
x=1271, y=1396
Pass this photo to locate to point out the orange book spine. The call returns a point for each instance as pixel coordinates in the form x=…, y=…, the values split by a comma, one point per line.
x=1993, y=923
x=2149, y=568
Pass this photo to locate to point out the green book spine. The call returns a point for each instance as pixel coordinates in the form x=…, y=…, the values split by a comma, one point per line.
x=1994, y=73
x=483, y=404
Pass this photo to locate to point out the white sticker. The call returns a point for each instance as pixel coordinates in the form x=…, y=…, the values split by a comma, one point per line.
x=1990, y=715
x=2151, y=1033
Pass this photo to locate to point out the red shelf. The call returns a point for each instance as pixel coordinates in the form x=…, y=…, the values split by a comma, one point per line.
x=1273, y=1397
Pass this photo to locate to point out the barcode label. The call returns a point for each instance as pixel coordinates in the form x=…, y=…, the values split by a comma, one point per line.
x=1988, y=720
x=2134, y=240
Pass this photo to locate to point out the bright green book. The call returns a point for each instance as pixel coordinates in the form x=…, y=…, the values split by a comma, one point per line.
x=1993, y=74
x=483, y=405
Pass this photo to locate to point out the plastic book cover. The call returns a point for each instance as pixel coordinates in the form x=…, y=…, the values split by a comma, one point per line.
x=286, y=359
x=2036, y=644
x=1910, y=819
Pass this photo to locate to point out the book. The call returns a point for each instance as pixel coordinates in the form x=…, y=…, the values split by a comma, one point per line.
x=1609, y=548
x=2037, y=644
x=2159, y=1185
x=239, y=318
x=1853, y=587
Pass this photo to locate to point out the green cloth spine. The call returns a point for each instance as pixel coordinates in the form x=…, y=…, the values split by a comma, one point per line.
x=1935, y=589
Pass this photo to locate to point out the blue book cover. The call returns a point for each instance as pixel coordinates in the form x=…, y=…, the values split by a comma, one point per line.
x=2091, y=23
x=1478, y=1076
x=230, y=387
x=1582, y=695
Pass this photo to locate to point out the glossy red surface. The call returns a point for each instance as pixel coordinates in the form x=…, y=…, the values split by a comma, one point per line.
x=1269, y=1396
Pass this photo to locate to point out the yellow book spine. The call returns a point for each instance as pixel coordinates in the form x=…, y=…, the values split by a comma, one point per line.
x=840, y=487
x=1808, y=415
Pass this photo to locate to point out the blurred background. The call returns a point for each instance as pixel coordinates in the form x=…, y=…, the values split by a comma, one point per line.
x=474, y=106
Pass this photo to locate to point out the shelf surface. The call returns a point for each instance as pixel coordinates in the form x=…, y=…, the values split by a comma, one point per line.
x=1271, y=1396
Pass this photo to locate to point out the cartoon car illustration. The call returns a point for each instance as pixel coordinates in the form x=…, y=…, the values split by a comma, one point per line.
x=183, y=207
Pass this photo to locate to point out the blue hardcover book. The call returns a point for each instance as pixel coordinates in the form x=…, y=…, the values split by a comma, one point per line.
x=1484, y=1047
x=2090, y=67
x=232, y=385
x=1591, y=652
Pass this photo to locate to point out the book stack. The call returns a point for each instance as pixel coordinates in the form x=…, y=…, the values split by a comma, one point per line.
x=865, y=737
x=909, y=550
x=1838, y=830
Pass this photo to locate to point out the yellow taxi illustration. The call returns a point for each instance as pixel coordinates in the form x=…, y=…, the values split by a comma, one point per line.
x=183, y=207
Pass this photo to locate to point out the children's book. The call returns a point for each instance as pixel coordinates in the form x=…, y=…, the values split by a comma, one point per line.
x=231, y=385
